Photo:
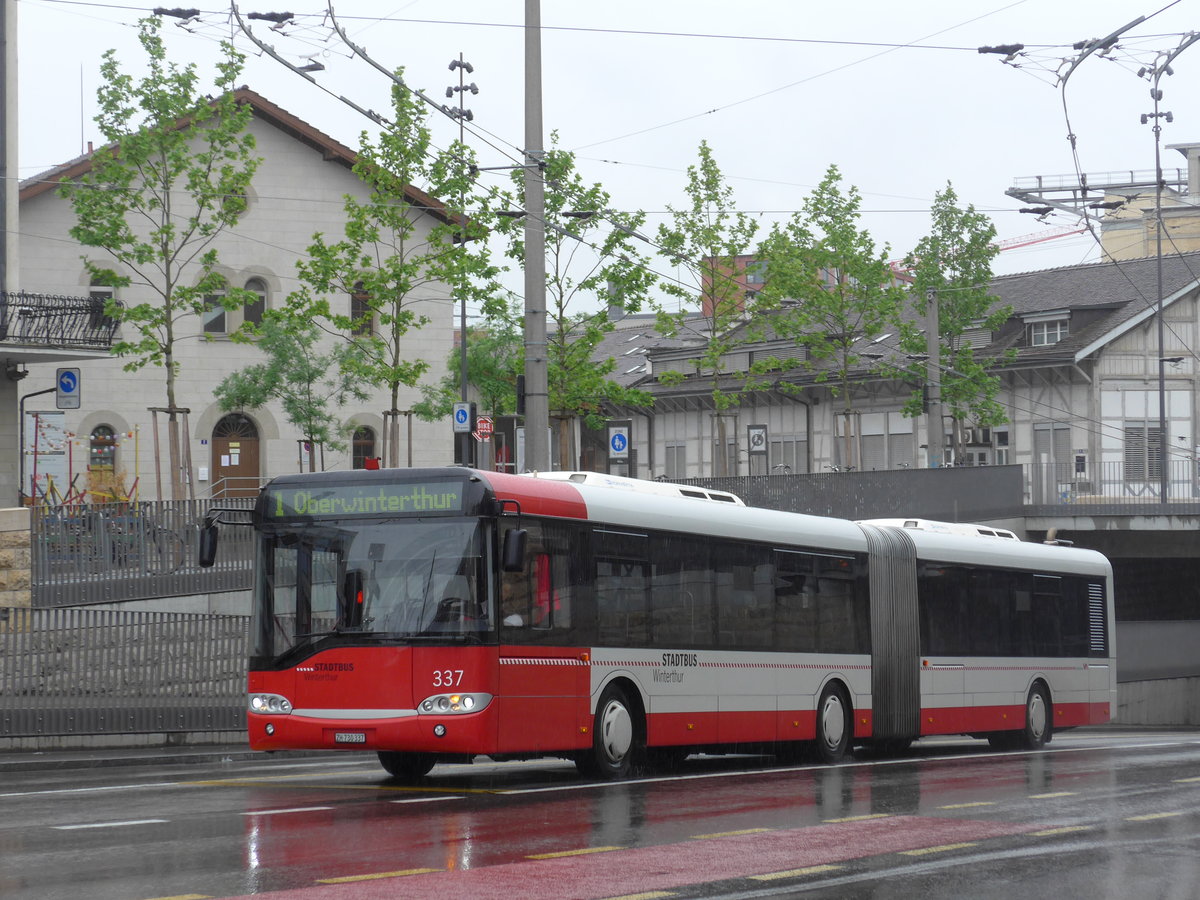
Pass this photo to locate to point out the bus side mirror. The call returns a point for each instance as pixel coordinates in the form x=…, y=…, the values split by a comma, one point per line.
x=513, y=555
x=208, y=544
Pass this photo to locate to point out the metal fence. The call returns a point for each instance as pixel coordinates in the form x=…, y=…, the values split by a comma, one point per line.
x=1113, y=488
x=90, y=671
x=104, y=553
x=950, y=494
x=976, y=493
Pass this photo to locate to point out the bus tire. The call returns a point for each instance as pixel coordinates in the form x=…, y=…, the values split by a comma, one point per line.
x=616, y=737
x=406, y=766
x=1039, y=719
x=835, y=725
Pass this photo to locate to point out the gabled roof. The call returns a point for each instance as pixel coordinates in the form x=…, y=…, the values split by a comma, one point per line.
x=1119, y=295
x=295, y=127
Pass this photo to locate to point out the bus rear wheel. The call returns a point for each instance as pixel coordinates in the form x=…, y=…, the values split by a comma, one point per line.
x=835, y=727
x=1039, y=723
x=406, y=766
x=616, y=737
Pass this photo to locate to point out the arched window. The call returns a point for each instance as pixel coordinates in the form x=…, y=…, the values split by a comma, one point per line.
x=360, y=311
x=102, y=448
x=99, y=294
x=253, y=312
x=213, y=316
x=363, y=446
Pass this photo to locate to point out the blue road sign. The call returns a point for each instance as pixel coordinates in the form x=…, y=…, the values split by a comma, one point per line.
x=618, y=442
x=462, y=418
x=68, y=389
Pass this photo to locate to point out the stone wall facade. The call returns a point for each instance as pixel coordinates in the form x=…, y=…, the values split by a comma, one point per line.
x=15, y=561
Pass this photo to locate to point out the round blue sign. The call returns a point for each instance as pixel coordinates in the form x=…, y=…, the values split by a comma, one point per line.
x=67, y=382
x=460, y=416
x=618, y=442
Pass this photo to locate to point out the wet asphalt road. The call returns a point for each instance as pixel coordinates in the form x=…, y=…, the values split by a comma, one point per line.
x=1101, y=813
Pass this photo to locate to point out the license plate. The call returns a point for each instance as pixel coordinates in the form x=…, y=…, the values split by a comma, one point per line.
x=350, y=737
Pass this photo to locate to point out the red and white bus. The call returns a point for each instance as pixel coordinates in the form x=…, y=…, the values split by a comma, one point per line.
x=438, y=614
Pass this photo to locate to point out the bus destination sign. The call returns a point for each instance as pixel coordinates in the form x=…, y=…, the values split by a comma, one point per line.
x=333, y=501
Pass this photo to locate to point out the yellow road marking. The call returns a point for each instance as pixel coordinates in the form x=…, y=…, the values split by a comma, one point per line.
x=1186, y=780
x=721, y=834
x=582, y=852
x=1052, y=796
x=1149, y=816
x=348, y=878
x=796, y=873
x=1066, y=829
x=942, y=849
x=859, y=818
x=968, y=805
x=648, y=895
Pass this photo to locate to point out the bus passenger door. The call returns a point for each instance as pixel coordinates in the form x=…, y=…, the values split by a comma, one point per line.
x=543, y=681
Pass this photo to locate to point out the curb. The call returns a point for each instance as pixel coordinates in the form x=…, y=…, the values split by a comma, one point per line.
x=45, y=761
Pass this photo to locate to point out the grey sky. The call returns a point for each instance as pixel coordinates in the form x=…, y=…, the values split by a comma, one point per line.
x=899, y=122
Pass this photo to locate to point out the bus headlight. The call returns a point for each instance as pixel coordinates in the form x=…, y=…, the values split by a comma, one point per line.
x=270, y=704
x=451, y=704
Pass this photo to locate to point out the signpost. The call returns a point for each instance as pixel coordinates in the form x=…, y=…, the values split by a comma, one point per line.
x=68, y=382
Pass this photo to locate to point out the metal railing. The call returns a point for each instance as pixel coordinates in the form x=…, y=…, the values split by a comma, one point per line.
x=103, y=553
x=1113, y=488
x=56, y=321
x=89, y=671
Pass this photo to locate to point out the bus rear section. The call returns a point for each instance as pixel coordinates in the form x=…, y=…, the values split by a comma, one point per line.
x=987, y=636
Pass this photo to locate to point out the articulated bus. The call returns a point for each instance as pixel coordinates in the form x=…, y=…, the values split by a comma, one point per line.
x=434, y=615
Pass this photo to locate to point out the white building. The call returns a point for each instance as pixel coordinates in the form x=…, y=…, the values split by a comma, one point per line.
x=1082, y=395
x=298, y=191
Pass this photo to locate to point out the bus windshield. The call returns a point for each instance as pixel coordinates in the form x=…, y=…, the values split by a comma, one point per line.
x=417, y=579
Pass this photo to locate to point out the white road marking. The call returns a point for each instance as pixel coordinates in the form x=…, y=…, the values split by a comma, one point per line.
x=110, y=824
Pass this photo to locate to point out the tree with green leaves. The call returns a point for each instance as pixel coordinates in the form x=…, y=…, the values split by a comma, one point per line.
x=400, y=253
x=952, y=274
x=310, y=384
x=494, y=360
x=172, y=179
x=843, y=288
x=705, y=237
x=592, y=269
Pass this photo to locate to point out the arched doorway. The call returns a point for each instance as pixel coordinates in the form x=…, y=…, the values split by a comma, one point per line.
x=235, y=471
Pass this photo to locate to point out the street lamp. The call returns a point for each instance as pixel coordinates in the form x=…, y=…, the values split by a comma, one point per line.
x=465, y=450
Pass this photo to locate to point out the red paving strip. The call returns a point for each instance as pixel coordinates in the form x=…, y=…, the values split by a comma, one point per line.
x=619, y=872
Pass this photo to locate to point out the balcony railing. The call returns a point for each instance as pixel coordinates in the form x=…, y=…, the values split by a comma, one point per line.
x=50, y=320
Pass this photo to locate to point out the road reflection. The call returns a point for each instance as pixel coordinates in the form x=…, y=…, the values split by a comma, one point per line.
x=482, y=816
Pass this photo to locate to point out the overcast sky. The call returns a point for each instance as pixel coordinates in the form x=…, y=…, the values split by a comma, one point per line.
x=894, y=93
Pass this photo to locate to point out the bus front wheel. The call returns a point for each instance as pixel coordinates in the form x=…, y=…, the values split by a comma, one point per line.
x=835, y=727
x=406, y=766
x=616, y=735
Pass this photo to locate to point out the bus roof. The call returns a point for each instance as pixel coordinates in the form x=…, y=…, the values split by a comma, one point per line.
x=661, y=488
x=964, y=528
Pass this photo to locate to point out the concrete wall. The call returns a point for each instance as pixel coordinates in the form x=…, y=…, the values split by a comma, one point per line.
x=1168, y=701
